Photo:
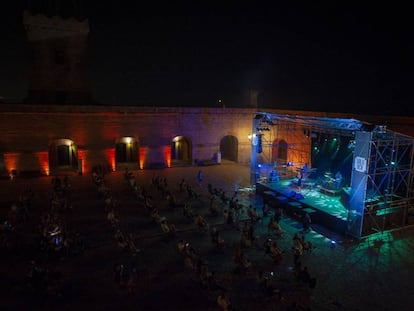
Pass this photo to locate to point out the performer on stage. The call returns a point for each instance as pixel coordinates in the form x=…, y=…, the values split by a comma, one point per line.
x=328, y=180
x=305, y=168
x=300, y=177
x=338, y=180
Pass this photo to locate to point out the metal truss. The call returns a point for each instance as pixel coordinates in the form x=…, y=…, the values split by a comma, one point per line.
x=389, y=200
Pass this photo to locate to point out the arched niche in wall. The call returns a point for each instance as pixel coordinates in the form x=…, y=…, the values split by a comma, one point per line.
x=279, y=151
x=181, y=150
x=63, y=156
x=229, y=146
x=126, y=152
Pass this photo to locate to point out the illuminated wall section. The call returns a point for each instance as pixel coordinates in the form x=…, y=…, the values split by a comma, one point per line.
x=43, y=158
x=23, y=162
x=167, y=155
x=10, y=161
x=143, y=152
x=110, y=154
x=82, y=155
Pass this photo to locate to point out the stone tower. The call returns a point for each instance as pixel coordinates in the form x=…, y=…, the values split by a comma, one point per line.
x=58, y=41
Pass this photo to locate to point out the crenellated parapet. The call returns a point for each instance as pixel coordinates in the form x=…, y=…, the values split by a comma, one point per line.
x=40, y=27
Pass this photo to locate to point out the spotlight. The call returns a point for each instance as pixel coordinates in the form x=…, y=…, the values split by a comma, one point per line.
x=351, y=144
x=262, y=129
x=332, y=244
x=259, y=144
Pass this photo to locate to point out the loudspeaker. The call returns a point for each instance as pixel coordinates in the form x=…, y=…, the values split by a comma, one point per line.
x=346, y=197
x=299, y=196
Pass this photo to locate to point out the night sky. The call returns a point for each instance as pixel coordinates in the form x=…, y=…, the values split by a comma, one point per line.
x=339, y=57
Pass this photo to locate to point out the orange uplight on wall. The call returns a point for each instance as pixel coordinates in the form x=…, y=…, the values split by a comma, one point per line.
x=82, y=156
x=43, y=158
x=143, y=151
x=110, y=154
x=10, y=161
x=167, y=155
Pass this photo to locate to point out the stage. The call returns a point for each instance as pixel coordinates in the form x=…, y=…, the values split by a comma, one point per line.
x=324, y=207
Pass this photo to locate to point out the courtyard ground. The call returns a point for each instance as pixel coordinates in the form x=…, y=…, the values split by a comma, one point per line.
x=375, y=273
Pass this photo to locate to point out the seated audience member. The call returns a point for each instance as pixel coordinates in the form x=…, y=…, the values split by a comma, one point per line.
x=188, y=263
x=297, y=250
x=112, y=218
x=278, y=213
x=216, y=238
x=172, y=202
x=266, y=285
x=253, y=215
x=149, y=203
x=131, y=244
x=275, y=252
x=212, y=206
x=244, y=240
x=266, y=245
x=230, y=218
x=187, y=211
x=306, y=222
x=242, y=260
x=225, y=215
x=212, y=282
x=155, y=216
x=200, y=222
x=275, y=227
x=304, y=276
x=223, y=302
x=121, y=240
x=181, y=246
x=215, y=235
x=167, y=228
x=204, y=275
x=306, y=245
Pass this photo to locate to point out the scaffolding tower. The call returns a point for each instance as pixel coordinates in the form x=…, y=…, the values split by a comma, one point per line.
x=389, y=201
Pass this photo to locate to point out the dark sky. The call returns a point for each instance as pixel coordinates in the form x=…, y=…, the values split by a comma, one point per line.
x=333, y=55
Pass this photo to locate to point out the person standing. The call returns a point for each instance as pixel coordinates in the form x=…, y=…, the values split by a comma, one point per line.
x=300, y=177
x=306, y=222
x=297, y=251
x=199, y=177
x=236, y=189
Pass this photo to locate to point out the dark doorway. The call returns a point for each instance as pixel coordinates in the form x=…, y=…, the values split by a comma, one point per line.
x=63, y=155
x=229, y=148
x=181, y=149
x=126, y=152
x=120, y=153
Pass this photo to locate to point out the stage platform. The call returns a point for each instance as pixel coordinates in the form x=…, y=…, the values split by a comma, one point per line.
x=324, y=207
